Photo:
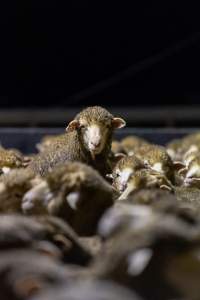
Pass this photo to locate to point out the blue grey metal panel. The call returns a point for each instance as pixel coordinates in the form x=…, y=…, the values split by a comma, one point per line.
x=26, y=138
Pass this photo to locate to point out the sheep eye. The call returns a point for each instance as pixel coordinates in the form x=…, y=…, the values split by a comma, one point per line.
x=82, y=126
x=17, y=194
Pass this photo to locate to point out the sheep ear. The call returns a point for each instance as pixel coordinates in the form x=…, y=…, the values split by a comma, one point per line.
x=178, y=165
x=48, y=249
x=118, y=157
x=118, y=123
x=182, y=171
x=165, y=187
x=28, y=286
x=73, y=125
x=109, y=176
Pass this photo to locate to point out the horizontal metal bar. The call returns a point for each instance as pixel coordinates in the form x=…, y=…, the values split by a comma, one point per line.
x=25, y=139
x=133, y=115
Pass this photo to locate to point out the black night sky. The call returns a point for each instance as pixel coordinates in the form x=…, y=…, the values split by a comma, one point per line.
x=52, y=52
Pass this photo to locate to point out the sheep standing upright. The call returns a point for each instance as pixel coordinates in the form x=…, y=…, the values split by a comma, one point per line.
x=88, y=139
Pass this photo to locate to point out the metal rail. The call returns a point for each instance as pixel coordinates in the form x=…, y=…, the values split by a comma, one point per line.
x=185, y=116
x=25, y=139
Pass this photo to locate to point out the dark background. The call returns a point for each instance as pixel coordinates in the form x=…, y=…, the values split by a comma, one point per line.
x=79, y=53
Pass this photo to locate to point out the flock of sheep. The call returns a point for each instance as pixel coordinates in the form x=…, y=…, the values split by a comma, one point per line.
x=92, y=218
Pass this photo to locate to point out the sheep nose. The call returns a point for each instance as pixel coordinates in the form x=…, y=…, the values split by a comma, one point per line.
x=96, y=144
x=122, y=187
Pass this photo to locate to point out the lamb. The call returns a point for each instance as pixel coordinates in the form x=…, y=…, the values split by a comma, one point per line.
x=89, y=290
x=46, y=141
x=153, y=258
x=132, y=143
x=192, y=172
x=10, y=159
x=26, y=273
x=157, y=158
x=122, y=171
x=146, y=178
x=47, y=235
x=75, y=192
x=13, y=186
x=88, y=139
